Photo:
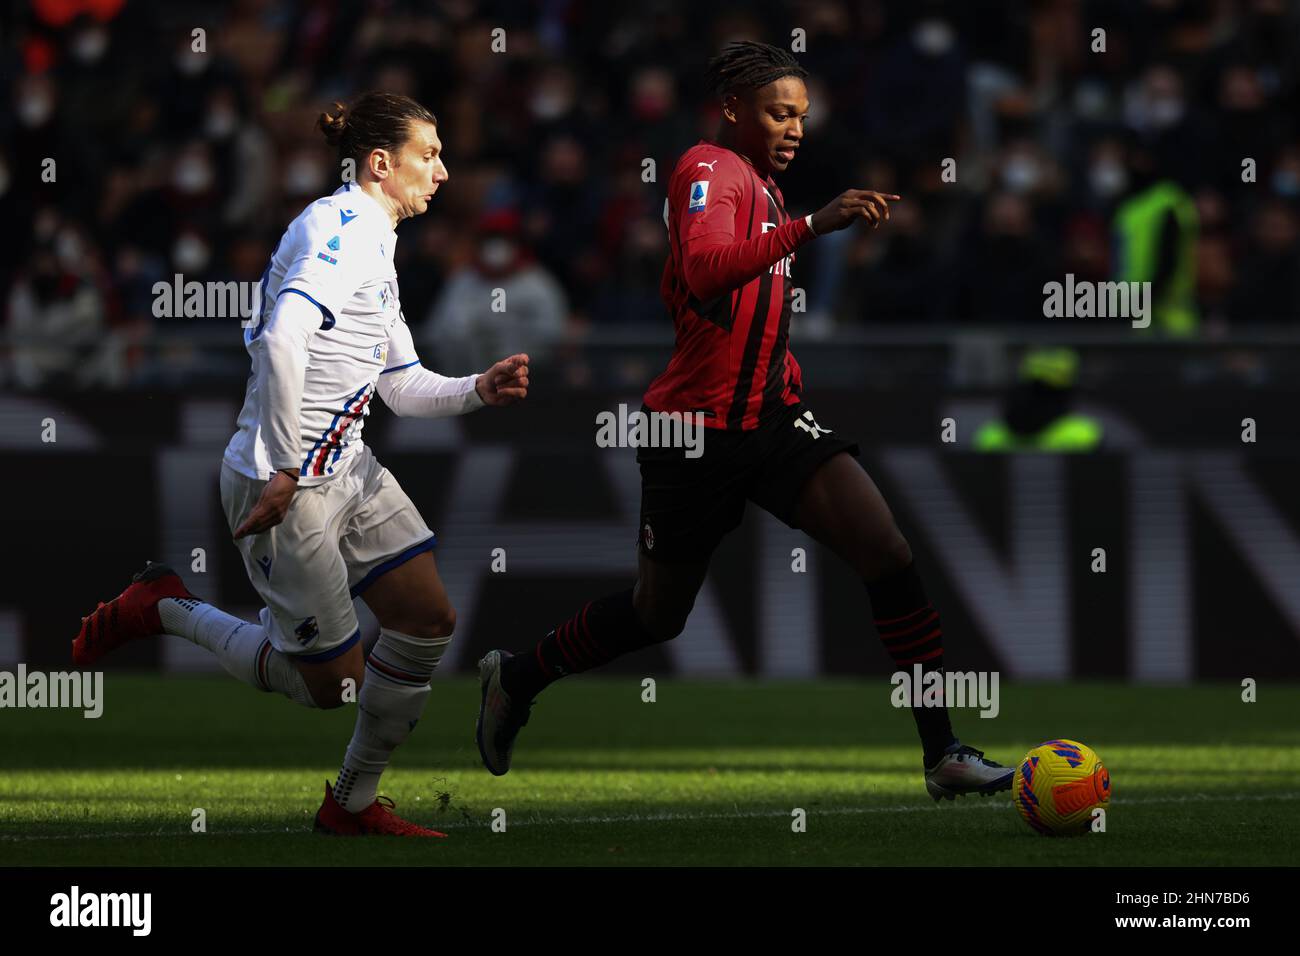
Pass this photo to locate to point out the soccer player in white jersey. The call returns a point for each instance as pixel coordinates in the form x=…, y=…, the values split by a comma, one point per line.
x=316, y=518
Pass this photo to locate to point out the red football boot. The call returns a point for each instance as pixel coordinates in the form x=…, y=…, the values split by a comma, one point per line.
x=378, y=819
x=131, y=615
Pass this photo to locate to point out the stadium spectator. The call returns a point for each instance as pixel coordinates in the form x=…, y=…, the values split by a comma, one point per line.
x=193, y=147
x=1156, y=229
x=1038, y=416
x=1269, y=287
x=503, y=295
x=58, y=317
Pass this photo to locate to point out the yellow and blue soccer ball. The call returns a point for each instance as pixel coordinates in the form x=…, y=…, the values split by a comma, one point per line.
x=1058, y=786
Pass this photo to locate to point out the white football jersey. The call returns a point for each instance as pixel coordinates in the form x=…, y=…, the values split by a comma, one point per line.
x=338, y=254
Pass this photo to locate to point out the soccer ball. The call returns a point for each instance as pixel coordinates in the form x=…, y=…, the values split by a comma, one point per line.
x=1057, y=787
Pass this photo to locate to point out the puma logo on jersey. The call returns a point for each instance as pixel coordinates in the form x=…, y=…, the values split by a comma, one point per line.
x=710, y=165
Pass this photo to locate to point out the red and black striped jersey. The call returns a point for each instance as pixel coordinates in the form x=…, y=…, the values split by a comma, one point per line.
x=727, y=283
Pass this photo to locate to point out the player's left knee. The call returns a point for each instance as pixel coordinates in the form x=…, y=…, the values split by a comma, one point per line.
x=444, y=622
x=437, y=625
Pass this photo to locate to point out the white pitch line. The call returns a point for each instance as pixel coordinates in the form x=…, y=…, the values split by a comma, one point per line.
x=994, y=804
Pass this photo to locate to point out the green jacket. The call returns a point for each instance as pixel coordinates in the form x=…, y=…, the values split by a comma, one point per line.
x=1138, y=224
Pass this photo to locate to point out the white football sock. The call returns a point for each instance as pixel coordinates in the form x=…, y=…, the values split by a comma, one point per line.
x=243, y=649
x=392, y=698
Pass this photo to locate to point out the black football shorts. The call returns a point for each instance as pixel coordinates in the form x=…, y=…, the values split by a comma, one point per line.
x=689, y=504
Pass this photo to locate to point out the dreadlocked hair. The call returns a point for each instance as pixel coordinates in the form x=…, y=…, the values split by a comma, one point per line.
x=746, y=64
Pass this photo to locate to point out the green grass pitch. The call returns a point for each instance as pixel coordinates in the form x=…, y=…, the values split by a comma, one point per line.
x=708, y=774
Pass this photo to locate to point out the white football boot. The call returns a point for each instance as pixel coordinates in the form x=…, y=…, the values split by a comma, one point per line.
x=499, y=718
x=962, y=770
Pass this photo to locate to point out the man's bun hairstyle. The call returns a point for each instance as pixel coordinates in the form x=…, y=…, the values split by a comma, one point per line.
x=748, y=65
x=373, y=121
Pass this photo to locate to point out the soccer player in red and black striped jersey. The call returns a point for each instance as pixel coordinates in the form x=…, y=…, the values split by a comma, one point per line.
x=727, y=284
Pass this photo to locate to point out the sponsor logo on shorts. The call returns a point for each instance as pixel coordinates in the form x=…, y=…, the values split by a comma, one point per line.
x=648, y=537
x=809, y=424
x=307, y=631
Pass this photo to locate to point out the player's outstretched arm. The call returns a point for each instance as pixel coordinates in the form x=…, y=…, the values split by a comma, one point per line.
x=715, y=263
x=410, y=389
x=416, y=392
x=851, y=206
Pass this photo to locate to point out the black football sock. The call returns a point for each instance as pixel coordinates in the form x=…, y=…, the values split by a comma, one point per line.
x=603, y=630
x=909, y=628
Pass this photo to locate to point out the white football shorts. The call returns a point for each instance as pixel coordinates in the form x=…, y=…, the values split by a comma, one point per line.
x=337, y=538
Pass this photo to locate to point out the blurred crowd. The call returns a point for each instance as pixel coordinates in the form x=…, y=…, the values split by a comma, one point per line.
x=1172, y=157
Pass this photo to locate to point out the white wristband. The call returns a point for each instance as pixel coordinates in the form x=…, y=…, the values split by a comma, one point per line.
x=808, y=219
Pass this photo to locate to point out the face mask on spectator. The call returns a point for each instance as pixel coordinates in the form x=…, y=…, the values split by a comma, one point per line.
x=190, y=254
x=1107, y=179
x=301, y=177
x=221, y=123
x=89, y=45
x=933, y=37
x=1021, y=174
x=190, y=63
x=69, y=251
x=550, y=102
x=192, y=175
x=35, y=109
x=1286, y=182
x=1165, y=111
x=497, y=254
